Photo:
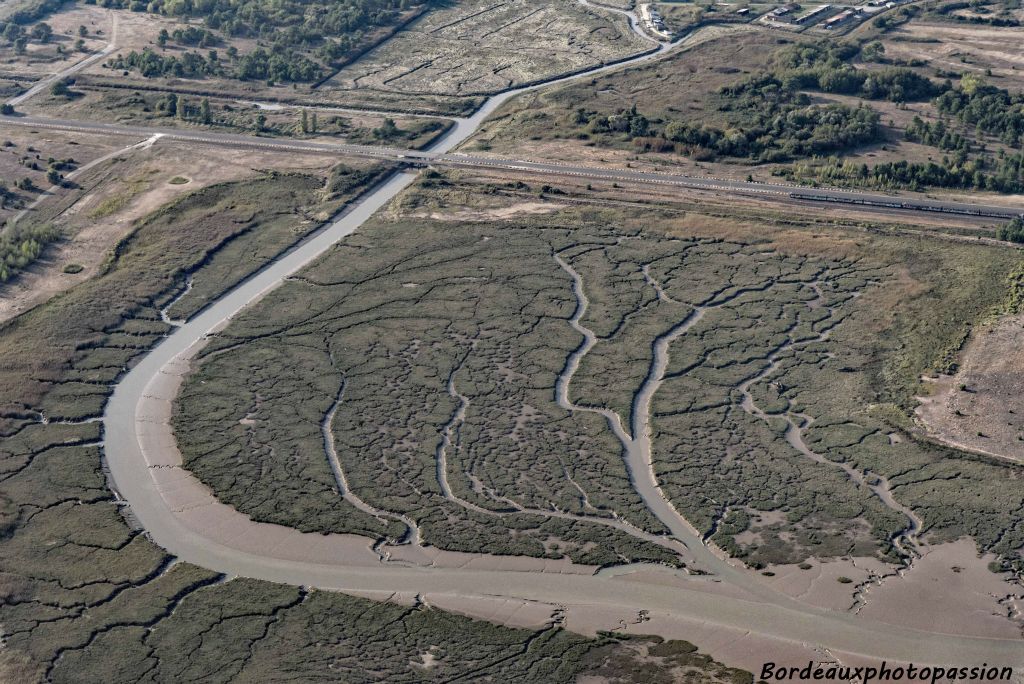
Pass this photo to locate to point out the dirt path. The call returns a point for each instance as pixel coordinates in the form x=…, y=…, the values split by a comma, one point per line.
x=87, y=248
x=73, y=69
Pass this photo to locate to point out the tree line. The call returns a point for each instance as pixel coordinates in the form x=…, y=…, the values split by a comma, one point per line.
x=989, y=109
x=333, y=31
x=1004, y=174
x=283, y=66
x=770, y=122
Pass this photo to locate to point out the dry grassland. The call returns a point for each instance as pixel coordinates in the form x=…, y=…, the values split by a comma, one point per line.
x=962, y=49
x=468, y=49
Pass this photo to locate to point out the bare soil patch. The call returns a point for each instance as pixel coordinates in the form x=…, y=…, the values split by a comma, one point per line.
x=981, y=407
x=499, y=212
x=110, y=200
x=948, y=589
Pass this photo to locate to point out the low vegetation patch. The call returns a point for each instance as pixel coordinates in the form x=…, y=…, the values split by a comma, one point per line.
x=19, y=247
x=390, y=331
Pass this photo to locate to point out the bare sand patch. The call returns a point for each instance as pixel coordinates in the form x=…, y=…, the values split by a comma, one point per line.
x=492, y=213
x=820, y=584
x=434, y=557
x=512, y=612
x=112, y=197
x=948, y=589
x=981, y=407
x=678, y=579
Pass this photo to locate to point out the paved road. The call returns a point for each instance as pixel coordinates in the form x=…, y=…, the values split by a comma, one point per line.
x=547, y=168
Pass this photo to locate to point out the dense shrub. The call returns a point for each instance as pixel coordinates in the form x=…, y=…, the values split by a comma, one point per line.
x=20, y=247
x=1012, y=231
x=771, y=122
x=828, y=69
x=992, y=110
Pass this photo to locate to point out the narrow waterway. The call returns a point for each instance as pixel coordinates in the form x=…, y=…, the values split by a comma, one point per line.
x=905, y=539
x=412, y=534
x=132, y=419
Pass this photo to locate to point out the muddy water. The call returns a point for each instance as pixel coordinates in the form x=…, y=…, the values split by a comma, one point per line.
x=222, y=539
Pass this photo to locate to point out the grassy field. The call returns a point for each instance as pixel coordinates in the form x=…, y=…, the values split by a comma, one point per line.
x=25, y=159
x=949, y=49
x=468, y=308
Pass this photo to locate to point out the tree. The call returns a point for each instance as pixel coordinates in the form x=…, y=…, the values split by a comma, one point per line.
x=261, y=121
x=80, y=45
x=42, y=32
x=304, y=121
x=82, y=31
x=873, y=52
x=6, y=109
x=53, y=177
x=313, y=123
x=60, y=88
x=182, y=109
x=970, y=82
x=163, y=37
x=172, y=104
x=1013, y=231
x=387, y=130
x=204, y=111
